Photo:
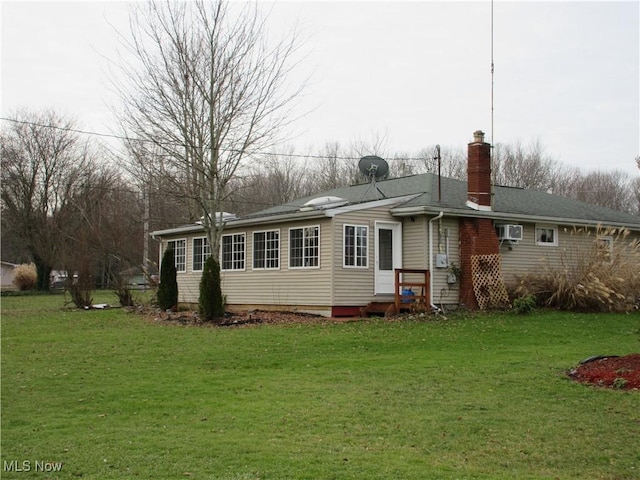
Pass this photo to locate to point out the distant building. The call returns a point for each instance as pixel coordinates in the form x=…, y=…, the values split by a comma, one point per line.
x=7, y=269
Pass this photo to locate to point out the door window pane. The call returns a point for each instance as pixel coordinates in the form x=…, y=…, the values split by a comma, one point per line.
x=385, y=249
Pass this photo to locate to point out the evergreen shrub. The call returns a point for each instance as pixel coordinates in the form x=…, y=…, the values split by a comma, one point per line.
x=168, y=289
x=211, y=302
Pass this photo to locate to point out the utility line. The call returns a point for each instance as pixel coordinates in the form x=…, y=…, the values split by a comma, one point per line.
x=177, y=144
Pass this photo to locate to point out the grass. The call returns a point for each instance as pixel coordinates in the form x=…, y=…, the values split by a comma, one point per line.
x=112, y=396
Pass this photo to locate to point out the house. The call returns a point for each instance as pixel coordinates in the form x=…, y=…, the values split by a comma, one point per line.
x=8, y=271
x=439, y=240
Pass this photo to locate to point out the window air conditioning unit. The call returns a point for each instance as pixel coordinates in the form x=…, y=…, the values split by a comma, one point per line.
x=512, y=233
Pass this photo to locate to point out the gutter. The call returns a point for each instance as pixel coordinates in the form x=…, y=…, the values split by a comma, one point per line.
x=438, y=217
x=514, y=217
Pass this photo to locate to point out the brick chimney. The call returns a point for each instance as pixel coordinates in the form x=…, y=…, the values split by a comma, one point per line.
x=479, y=173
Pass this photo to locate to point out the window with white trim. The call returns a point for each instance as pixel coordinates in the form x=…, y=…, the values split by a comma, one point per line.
x=179, y=254
x=356, y=249
x=233, y=251
x=201, y=251
x=304, y=247
x=266, y=250
x=604, y=247
x=547, y=235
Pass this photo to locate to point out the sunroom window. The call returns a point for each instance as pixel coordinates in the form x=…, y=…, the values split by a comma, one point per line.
x=180, y=253
x=355, y=240
x=266, y=250
x=201, y=251
x=233, y=252
x=304, y=247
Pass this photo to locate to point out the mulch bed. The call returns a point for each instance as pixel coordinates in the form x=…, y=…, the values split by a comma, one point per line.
x=236, y=319
x=622, y=373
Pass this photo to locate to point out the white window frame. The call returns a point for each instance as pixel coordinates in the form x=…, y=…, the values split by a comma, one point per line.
x=238, y=255
x=179, y=257
x=203, y=250
x=606, y=249
x=540, y=242
x=271, y=256
x=308, y=261
x=360, y=260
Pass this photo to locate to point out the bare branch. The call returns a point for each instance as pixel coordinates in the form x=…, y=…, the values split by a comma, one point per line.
x=207, y=89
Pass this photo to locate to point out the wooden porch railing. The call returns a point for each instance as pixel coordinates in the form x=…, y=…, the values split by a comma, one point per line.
x=418, y=299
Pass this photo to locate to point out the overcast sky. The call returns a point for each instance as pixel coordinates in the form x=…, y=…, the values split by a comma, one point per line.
x=418, y=73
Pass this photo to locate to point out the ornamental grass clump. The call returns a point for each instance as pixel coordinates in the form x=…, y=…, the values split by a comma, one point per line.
x=25, y=276
x=600, y=271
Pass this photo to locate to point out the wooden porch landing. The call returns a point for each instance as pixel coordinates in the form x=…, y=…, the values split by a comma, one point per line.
x=405, y=299
x=384, y=309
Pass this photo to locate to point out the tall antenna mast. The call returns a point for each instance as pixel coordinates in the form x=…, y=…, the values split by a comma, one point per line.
x=492, y=68
x=493, y=137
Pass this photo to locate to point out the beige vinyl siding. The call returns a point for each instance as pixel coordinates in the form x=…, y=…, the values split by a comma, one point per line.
x=415, y=247
x=189, y=287
x=188, y=282
x=284, y=286
x=416, y=253
x=527, y=257
x=355, y=286
x=445, y=240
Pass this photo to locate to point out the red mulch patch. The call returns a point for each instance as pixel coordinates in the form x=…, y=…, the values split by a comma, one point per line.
x=615, y=372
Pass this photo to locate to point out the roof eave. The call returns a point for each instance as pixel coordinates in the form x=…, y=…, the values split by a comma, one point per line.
x=279, y=217
x=244, y=222
x=515, y=217
x=294, y=215
x=177, y=230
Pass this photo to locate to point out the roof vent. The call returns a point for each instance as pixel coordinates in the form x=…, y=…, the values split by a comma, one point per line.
x=220, y=216
x=323, y=203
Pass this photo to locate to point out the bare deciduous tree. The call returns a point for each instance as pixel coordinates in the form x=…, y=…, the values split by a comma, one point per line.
x=102, y=233
x=608, y=189
x=516, y=165
x=635, y=189
x=271, y=180
x=453, y=162
x=43, y=163
x=205, y=88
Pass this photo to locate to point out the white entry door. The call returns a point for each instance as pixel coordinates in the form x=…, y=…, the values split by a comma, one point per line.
x=388, y=255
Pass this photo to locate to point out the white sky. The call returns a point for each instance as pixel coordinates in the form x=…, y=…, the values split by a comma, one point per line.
x=566, y=73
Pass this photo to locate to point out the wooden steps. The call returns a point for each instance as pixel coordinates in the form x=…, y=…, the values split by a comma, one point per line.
x=384, y=309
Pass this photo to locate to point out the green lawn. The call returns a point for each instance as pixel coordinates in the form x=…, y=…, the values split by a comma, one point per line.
x=112, y=396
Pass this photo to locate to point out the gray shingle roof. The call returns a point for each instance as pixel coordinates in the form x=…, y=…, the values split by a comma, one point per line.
x=453, y=195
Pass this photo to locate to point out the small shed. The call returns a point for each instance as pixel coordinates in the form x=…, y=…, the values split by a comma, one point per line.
x=8, y=272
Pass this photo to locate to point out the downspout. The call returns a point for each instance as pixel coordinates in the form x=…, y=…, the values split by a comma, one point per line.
x=438, y=217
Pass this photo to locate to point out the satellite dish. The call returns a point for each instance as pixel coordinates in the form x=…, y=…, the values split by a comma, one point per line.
x=373, y=167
